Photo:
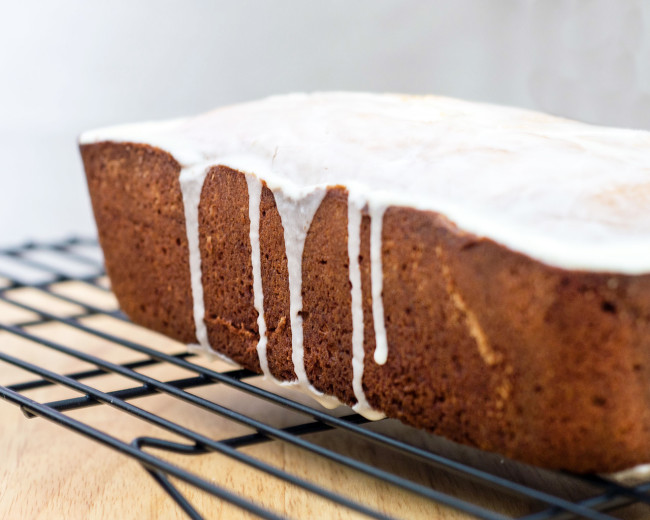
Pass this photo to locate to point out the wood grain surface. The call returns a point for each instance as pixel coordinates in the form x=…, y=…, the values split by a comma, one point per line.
x=49, y=472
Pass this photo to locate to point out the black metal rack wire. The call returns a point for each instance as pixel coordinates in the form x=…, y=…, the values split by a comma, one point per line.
x=42, y=266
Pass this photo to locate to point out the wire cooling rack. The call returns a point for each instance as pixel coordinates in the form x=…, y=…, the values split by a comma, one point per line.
x=37, y=278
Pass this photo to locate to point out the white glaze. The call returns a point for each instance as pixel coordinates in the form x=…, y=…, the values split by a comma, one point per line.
x=210, y=353
x=376, y=211
x=297, y=214
x=566, y=193
x=356, y=202
x=632, y=476
x=254, y=198
x=191, y=181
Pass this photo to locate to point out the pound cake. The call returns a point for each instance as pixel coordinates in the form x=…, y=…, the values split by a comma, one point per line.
x=477, y=271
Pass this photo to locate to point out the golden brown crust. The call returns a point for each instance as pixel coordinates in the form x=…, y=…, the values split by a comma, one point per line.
x=227, y=272
x=275, y=287
x=135, y=194
x=578, y=344
x=486, y=346
x=326, y=305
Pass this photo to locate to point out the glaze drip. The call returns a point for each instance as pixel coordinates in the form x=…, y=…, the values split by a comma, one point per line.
x=254, y=198
x=376, y=211
x=356, y=202
x=296, y=215
x=191, y=181
x=296, y=209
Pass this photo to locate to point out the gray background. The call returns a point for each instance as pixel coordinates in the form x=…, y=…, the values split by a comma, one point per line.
x=70, y=65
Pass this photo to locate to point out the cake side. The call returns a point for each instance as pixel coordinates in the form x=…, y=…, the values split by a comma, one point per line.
x=139, y=214
x=486, y=346
x=574, y=348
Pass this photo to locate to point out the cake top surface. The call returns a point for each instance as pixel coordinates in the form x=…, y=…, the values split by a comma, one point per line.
x=567, y=193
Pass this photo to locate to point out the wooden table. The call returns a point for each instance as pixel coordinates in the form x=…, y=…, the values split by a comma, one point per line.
x=49, y=472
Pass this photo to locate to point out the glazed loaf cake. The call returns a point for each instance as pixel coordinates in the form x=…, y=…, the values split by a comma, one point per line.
x=477, y=271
